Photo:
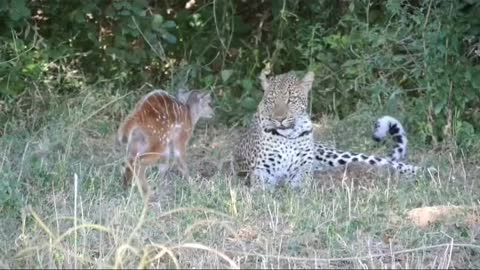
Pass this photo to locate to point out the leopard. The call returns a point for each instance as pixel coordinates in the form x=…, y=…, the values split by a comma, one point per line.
x=278, y=146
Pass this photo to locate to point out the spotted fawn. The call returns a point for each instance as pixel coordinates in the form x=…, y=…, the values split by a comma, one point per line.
x=159, y=129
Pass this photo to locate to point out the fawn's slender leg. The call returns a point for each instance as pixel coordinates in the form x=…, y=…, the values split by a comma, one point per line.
x=137, y=166
x=181, y=152
x=138, y=144
x=129, y=172
x=142, y=180
x=159, y=155
x=128, y=175
x=135, y=169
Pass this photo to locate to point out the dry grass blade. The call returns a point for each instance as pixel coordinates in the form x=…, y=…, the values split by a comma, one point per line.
x=192, y=209
x=233, y=264
x=163, y=250
x=86, y=119
x=355, y=258
x=207, y=222
x=41, y=223
x=119, y=254
x=24, y=252
x=141, y=220
x=83, y=226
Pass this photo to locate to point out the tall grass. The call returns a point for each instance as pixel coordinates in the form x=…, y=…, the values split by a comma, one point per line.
x=63, y=205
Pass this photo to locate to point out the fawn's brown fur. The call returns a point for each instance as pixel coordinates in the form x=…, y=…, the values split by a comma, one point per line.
x=159, y=128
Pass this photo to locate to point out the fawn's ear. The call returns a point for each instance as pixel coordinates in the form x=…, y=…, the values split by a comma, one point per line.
x=183, y=95
x=207, y=96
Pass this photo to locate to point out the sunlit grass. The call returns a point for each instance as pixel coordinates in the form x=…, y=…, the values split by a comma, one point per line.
x=64, y=207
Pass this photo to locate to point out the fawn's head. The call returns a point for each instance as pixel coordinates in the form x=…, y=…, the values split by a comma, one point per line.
x=199, y=103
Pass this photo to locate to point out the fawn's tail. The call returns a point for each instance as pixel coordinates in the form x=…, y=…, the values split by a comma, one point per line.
x=125, y=130
x=132, y=135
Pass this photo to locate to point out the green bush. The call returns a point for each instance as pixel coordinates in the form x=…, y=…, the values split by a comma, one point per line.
x=417, y=60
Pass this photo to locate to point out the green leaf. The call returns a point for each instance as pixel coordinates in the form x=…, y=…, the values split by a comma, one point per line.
x=169, y=38
x=30, y=68
x=392, y=102
x=19, y=10
x=226, y=74
x=118, y=5
x=247, y=85
x=120, y=41
x=92, y=36
x=109, y=11
x=249, y=103
x=439, y=106
x=474, y=76
x=394, y=6
x=138, y=8
x=124, y=12
x=157, y=22
x=468, y=75
x=140, y=12
x=169, y=24
x=398, y=58
x=3, y=5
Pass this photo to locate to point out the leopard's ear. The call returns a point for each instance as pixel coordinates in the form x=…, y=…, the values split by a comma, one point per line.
x=307, y=81
x=263, y=76
x=264, y=80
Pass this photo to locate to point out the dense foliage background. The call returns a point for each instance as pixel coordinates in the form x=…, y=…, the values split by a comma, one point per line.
x=70, y=70
x=416, y=59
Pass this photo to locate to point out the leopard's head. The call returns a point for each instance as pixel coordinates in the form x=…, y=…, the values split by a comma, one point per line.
x=285, y=99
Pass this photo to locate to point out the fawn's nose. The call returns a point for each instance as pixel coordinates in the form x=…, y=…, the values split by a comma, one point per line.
x=210, y=114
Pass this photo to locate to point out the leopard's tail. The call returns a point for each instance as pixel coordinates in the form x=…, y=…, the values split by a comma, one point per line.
x=326, y=156
x=388, y=125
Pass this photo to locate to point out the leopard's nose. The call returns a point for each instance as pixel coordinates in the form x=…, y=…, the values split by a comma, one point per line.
x=287, y=124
